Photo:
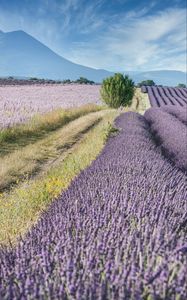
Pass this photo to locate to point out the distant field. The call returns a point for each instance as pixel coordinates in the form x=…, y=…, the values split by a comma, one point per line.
x=19, y=103
x=164, y=96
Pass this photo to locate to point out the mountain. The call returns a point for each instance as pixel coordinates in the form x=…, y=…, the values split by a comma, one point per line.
x=24, y=56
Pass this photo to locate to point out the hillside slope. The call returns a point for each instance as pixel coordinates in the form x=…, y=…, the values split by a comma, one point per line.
x=23, y=55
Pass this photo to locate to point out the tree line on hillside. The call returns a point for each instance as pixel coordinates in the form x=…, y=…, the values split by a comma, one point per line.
x=82, y=80
x=116, y=91
x=34, y=80
x=150, y=82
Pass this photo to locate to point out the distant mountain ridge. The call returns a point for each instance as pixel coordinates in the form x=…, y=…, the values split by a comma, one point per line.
x=22, y=55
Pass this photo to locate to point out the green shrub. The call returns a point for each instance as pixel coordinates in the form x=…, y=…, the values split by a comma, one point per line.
x=181, y=85
x=66, y=81
x=83, y=80
x=117, y=90
x=148, y=82
x=34, y=78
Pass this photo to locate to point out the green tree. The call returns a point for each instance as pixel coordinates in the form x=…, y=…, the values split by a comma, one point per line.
x=66, y=81
x=117, y=90
x=146, y=82
x=34, y=78
x=83, y=80
x=181, y=85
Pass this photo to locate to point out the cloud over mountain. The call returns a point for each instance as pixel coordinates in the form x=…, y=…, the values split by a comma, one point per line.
x=23, y=55
x=116, y=34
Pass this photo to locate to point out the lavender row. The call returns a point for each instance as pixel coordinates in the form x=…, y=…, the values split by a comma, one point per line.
x=152, y=98
x=178, y=112
x=118, y=232
x=143, y=89
x=162, y=96
x=170, y=133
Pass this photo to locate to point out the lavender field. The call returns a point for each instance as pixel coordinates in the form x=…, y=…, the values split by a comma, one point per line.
x=118, y=231
x=162, y=96
x=19, y=103
x=93, y=150
x=170, y=133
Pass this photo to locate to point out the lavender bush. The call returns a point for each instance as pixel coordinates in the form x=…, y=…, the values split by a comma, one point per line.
x=118, y=232
x=19, y=103
x=170, y=133
x=178, y=112
x=143, y=89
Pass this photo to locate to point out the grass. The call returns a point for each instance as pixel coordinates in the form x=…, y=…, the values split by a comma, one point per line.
x=140, y=102
x=15, y=137
x=21, y=207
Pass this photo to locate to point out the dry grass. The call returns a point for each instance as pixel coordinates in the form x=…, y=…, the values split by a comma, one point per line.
x=21, y=207
x=20, y=135
x=140, y=102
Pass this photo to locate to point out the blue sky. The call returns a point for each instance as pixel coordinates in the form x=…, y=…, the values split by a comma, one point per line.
x=117, y=35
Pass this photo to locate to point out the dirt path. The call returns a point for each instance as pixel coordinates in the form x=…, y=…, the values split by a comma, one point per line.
x=35, y=158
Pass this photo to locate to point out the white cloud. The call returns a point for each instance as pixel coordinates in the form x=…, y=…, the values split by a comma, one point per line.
x=135, y=41
x=138, y=43
x=42, y=28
